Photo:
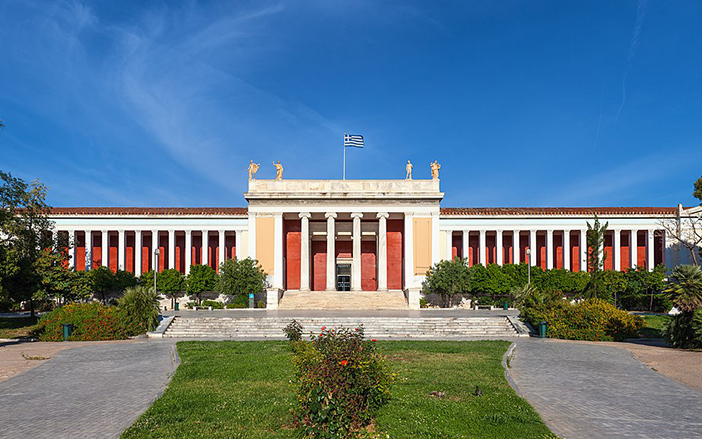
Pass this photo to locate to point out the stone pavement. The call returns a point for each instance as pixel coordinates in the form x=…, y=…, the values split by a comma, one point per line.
x=589, y=391
x=93, y=391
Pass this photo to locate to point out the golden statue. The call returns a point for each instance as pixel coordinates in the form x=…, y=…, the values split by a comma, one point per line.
x=409, y=170
x=435, y=170
x=278, y=170
x=253, y=169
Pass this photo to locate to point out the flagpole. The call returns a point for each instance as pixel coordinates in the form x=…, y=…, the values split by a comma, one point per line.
x=343, y=173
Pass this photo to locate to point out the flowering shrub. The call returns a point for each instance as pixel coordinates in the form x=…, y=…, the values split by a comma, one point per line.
x=592, y=319
x=342, y=381
x=92, y=321
x=293, y=331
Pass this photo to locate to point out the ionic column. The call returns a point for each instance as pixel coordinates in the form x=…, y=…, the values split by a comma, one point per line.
x=72, y=243
x=498, y=247
x=634, y=247
x=532, y=248
x=409, y=251
x=121, y=250
x=465, y=240
x=205, y=248
x=154, y=246
x=356, y=273
x=449, y=245
x=331, y=251
x=88, y=250
x=278, y=251
x=549, y=249
x=583, y=250
x=650, y=260
x=105, y=247
x=515, y=246
x=383, y=251
x=566, y=249
x=617, y=244
x=481, y=257
x=138, y=250
x=239, y=242
x=305, y=251
x=222, y=248
x=188, y=251
x=171, y=249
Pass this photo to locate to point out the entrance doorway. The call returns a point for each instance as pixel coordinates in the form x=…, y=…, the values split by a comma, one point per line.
x=343, y=277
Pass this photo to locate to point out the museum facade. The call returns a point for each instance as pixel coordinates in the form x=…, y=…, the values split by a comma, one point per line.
x=357, y=235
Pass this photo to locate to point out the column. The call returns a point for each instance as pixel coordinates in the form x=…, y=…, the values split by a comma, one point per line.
x=138, y=250
x=121, y=251
x=498, y=247
x=583, y=250
x=356, y=267
x=566, y=249
x=466, y=243
x=305, y=251
x=549, y=249
x=154, y=247
x=481, y=257
x=532, y=248
x=650, y=261
x=449, y=245
x=171, y=249
x=88, y=250
x=222, y=248
x=105, y=247
x=383, y=251
x=239, y=242
x=409, y=251
x=278, y=251
x=515, y=246
x=205, y=247
x=331, y=251
x=617, y=244
x=634, y=246
x=188, y=251
x=72, y=244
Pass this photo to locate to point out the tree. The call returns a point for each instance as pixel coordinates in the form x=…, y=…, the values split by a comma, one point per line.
x=170, y=282
x=202, y=278
x=596, y=257
x=447, y=279
x=57, y=281
x=685, y=287
x=697, y=193
x=102, y=281
x=686, y=231
x=139, y=308
x=241, y=277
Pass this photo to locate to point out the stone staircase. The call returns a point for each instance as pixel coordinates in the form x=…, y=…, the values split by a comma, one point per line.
x=360, y=300
x=375, y=327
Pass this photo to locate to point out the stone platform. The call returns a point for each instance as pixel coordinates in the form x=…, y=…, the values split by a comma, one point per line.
x=339, y=300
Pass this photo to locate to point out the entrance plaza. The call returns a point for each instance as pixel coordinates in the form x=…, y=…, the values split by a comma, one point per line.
x=322, y=236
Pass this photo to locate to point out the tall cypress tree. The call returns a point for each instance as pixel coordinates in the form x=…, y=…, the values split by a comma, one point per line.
x=596, y=256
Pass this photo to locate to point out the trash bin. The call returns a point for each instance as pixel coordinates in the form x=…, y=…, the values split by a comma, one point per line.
x=543, y=327
x=177, y=306
x=67, y=330
x=505, y=305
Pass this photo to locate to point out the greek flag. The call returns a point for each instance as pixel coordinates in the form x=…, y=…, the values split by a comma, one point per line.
x=355, y=140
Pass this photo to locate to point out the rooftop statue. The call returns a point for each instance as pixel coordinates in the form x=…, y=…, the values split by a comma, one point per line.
x=409, y=170
x=435, y=170
x=278, y=170
x=253, y=169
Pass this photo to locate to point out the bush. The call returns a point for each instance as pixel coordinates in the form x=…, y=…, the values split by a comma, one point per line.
x=293, y=331
x=92, y=321
x=341, y=383
x=592, y=319
x=213, y=303
x=240, y=277
x=235, y=305
x=139, y=309
x=684, y=331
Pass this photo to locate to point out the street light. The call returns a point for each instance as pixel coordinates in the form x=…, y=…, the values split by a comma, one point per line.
x=528, y=252
x=157, y=252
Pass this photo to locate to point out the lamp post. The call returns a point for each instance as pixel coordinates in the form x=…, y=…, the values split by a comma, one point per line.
x=528, y=252
x=157, y=252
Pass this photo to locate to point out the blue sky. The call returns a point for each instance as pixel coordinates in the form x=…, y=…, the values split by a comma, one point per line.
x=524, y=103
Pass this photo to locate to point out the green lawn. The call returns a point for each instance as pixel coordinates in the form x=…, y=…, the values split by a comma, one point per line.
x=16, y=327
x=244, y=390
x=653, y=328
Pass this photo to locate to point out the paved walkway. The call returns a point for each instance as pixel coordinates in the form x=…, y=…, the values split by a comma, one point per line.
x=587, y=391
x=292, y=313
x=86, y=392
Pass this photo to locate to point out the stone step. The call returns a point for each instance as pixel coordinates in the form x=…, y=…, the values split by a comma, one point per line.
x=364, y=300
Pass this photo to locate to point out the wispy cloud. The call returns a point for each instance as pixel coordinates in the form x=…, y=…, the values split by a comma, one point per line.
x=640, y=14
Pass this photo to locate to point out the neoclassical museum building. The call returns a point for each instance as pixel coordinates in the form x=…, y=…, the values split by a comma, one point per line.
x=357, y=235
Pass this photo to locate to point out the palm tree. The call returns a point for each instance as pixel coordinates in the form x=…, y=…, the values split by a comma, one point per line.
x=685, y=286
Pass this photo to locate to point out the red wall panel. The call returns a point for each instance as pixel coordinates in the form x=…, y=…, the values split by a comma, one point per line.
x=609, y=251
x=641, y=254
x=558, y=250
x=625, y=250
x=112, y=240
x=395, y=248
x=291, y=253
x=344, y=249
x=507, y=251
x=369, y=281
x=319, y=265
x=230, y=245
x=490, y=249
x=163, y=251
x=456, y=245
x=473, y=249
x=129, y=256
x=180, y=252
x=79, y=263
x=540, y=250
x=147, y=261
